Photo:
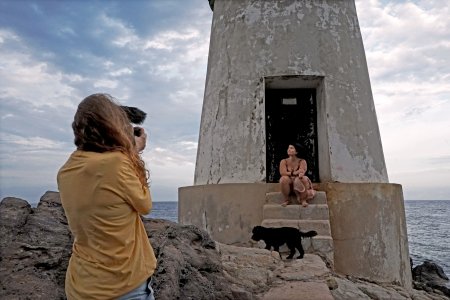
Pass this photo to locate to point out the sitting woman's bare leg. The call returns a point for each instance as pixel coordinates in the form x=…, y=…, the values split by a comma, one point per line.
x=305, y=195
x=300, y=189
x=285, y=183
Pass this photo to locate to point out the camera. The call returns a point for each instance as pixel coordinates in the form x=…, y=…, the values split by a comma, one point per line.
x=136, y=116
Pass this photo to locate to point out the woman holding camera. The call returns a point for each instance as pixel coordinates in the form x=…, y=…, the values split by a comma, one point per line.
x=104, y=191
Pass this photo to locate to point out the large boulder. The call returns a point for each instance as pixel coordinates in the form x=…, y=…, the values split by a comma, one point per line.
x=35, y=248
x=189, y=266
x=430, y=275
x=36, y=245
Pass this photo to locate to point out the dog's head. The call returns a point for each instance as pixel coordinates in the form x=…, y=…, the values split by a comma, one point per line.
x=257, y=233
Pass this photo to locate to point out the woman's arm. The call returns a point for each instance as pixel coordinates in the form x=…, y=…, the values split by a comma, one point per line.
x=283, y=169
x=133, y=192
x=302, y=168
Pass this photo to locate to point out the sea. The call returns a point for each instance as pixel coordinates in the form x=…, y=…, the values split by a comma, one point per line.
x=427, y=221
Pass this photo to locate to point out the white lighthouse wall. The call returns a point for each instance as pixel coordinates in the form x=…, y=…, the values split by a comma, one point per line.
x=253, y=40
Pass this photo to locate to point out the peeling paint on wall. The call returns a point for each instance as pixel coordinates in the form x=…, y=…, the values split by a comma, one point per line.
x=251, y=40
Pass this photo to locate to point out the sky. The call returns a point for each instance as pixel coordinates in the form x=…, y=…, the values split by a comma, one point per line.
x=153, y=54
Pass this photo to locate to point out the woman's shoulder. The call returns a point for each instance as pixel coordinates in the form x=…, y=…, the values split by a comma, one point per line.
x=116, y=157
x=109, y=157
x=92, y=154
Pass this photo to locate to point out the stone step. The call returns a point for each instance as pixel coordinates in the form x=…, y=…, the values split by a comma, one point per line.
x=277, y=198
x=275, y=187
x=296, y=212
x=321, y=226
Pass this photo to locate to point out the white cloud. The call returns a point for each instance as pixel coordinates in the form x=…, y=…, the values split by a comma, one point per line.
x=181, y=153
x=31, y=143
x=189, y=145
x=186, y=96
x=124, y=35
x=66, y=31
x=171, y=167
x=407, y=47
x=74, y=78
x=6, y=35
x=167, y=40
x=7, y=116
x=24, y=77
x=105, y=83
x=120, y=72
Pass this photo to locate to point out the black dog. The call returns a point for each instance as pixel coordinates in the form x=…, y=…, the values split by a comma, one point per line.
x=275, y=237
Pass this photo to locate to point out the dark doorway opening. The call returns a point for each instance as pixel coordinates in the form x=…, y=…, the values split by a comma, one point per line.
x=291, y=116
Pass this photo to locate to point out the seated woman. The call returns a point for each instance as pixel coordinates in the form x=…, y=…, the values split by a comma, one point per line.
x=293, y=179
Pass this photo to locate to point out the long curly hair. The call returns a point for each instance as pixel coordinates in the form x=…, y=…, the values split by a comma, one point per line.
x=100, y=125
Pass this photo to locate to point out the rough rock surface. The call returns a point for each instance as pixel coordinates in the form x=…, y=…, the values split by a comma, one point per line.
x=429, y=275
x=35, y=246
x=188, y=265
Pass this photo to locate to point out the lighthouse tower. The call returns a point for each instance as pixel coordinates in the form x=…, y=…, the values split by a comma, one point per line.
x=294, y=71
x=281, y=72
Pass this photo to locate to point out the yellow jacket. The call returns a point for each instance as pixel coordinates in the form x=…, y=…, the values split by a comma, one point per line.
x=103, y=200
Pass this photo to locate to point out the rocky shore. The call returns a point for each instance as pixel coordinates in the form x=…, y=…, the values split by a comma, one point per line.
x=35, y=247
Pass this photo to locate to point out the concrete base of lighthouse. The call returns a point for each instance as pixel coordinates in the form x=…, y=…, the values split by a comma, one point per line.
x=367, y=221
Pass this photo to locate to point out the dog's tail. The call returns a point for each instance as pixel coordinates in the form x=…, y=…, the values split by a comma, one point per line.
x=309, y=233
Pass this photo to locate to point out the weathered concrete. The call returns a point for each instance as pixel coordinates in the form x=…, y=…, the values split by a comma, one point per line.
x=227, y=211
x=367, y=221
x=312, y=212
x=368, y=226
x=278, y=198
x=287, y=44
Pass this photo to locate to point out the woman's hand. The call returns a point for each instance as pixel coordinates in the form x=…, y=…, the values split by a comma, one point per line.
x=141, y=140
x=299, y=174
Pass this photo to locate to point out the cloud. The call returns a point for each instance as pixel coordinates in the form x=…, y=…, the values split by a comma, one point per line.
x=124, y=36
x=121, y=72
x=404, y=40
x=105, y=83
x=35, y=143
x=163, y=162
x=23, y=77
x=168, y=39
x=407, y=47
x=39, y=92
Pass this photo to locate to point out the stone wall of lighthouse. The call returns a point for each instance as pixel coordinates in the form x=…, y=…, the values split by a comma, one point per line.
x=261, y=45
